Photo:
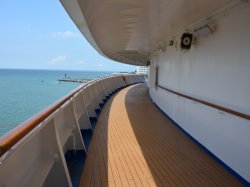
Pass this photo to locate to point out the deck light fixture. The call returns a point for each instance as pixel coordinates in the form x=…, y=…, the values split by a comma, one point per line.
x=186, y=41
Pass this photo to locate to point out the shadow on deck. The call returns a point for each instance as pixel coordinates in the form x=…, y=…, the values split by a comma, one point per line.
x=134, y=144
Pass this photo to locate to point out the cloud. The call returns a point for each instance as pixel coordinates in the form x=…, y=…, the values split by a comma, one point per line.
x=80, y=62
x=65, y=34
x=100, y=65
x=57, y=60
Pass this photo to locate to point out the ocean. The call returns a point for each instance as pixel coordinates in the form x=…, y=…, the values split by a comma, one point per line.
x=23, y=93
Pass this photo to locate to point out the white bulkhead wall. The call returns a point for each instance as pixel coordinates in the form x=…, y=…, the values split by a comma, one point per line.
x=216, y=69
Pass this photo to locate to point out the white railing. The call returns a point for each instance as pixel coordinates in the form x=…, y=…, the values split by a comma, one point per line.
x=33, y=154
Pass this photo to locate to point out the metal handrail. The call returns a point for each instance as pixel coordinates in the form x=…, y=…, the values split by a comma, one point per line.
x=224, y=109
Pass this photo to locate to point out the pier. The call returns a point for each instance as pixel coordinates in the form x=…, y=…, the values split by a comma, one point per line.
x=74, y=80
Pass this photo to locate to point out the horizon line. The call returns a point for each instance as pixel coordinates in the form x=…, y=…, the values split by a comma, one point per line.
x=61, y=69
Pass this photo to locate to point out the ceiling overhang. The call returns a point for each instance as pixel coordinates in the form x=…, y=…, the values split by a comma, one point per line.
x=129, y=30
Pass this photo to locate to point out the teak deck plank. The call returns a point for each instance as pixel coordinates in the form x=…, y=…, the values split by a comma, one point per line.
x=134, y=144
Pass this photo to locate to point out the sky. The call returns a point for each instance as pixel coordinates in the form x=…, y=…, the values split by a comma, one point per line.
x=41, y=35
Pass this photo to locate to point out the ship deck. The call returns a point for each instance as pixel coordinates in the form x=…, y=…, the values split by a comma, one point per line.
x=134, y=144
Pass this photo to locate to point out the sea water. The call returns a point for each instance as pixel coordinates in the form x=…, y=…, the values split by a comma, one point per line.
x=23, y=93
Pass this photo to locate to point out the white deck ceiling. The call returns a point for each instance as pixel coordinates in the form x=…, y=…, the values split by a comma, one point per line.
x=128, y=30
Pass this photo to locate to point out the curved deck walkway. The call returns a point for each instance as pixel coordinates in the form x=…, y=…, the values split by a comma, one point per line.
x=134, y=144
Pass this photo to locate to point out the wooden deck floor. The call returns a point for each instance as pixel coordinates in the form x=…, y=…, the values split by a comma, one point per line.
x=134, y=144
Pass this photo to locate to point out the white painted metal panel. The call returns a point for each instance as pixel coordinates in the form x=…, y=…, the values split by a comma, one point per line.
x=93, y=96
x=88, y=102
x=81, y=112
x=68, y=128
x=35, y=159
